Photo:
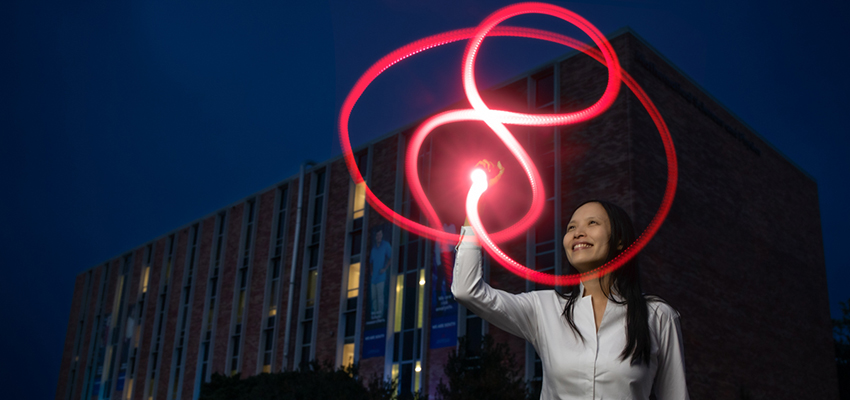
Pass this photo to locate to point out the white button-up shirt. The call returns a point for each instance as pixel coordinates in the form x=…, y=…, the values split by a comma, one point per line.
x=573, y=369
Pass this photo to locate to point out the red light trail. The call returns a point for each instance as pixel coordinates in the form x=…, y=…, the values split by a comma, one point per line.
x=496, y=120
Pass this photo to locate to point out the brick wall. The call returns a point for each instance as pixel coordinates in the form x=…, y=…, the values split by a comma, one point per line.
x=755, y=314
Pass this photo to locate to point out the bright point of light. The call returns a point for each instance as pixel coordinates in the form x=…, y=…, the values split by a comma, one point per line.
x=418, y=368
x=478, y=175
x=421, y=282
x=479, y=179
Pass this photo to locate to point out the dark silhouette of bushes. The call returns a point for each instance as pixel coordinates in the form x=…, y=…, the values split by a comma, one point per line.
x=488, y=371
x=313, y=381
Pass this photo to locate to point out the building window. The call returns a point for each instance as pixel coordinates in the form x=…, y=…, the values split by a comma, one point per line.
x=95, y=368
x=185, y=311
x=351, y=279
x=212, y=292
x=79, y=335
x=113, y=337
x=353, y=288
x=273, y=288
x=544, y=89
x=139, y=318
x=162, y=305
x=146, y=276
x=350, y=314
x=311, y=269
x=242, y=277
x=359, y=203
x=411, y=280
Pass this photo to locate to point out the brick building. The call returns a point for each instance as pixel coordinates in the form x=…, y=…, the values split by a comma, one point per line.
x=214, y=295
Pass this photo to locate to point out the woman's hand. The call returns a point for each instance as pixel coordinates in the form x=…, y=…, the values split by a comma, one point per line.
x=488, y=166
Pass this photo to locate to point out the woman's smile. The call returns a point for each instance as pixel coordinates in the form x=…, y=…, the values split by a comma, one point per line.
x=588, y=234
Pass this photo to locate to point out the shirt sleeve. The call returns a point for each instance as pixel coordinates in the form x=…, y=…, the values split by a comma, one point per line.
x=514, y=313
x=670, y=377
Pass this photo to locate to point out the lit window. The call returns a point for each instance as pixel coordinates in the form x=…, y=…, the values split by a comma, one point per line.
x=145, y=280
x=359, y=200
x=311, y=287
x=347, y=354
x=353, y=279
x=417, y=374
x=399, y=289
x=129, y=389
x=421, y=311
x=272, y=301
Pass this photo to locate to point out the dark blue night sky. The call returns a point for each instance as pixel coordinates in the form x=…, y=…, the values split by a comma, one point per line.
x=123, y=120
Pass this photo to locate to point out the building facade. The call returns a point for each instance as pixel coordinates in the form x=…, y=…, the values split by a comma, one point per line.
x=306, y=270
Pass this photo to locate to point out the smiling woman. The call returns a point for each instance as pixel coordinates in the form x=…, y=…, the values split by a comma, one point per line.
x=602, y=336
x=588, y=233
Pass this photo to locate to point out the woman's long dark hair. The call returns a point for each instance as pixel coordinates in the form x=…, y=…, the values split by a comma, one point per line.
x=626, y=281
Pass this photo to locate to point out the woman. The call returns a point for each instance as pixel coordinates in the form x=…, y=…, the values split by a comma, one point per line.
x=601, y=339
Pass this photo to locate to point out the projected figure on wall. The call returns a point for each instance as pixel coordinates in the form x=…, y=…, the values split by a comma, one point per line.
x=379, y=261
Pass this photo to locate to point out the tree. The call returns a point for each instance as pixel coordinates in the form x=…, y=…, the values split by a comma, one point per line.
x=314, y=381
x=486, y=372
x=841, y=334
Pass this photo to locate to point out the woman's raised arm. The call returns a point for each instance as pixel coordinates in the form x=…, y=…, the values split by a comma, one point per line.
x=514, y=313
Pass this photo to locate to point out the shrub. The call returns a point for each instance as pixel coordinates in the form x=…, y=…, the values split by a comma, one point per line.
x=489, y=372
x=313, y=381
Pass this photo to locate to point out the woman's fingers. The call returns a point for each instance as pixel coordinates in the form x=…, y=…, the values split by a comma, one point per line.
x=489, y=167
x=499, y=175
x=486, y=164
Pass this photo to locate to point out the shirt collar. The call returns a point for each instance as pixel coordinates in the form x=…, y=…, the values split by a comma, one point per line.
x=614, y=293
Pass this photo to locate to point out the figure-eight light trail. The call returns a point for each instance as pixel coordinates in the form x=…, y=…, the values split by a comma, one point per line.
x=496, y=121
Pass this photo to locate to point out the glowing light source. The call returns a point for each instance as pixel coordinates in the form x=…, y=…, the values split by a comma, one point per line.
x=479, y=179
x=496, y=120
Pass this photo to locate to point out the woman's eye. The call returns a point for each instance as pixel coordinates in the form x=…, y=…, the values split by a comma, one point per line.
x=569, y=228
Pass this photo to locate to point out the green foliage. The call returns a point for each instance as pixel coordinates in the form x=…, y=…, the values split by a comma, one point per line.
x=489, y=372
x=315, y=381
x=841, y=334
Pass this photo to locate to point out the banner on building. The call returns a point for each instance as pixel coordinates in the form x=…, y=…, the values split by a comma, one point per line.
x=443, y=305
x=380, y=261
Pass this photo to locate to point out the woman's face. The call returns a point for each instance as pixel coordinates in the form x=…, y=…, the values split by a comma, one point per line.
x=588, y=234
